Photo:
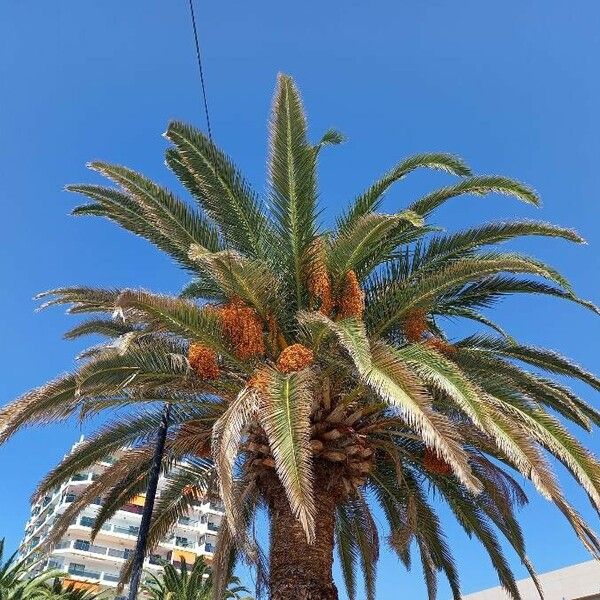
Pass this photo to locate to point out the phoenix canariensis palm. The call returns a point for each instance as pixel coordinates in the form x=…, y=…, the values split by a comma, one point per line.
x=309, y=372
x=194, y=583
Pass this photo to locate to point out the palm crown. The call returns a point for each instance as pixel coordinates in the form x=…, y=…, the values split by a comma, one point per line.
x=309, y=371
x=193, y=583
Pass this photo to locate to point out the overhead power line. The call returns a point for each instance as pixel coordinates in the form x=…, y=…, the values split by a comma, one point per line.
x=200, y=68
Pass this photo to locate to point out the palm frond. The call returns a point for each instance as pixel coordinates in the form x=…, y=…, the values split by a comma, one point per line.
x=442, y=248
x=81, y=298
x=370, y=200
x=285, y=415
x=479, y=186
x=368, y=242
x=226, y=442
x=109, y=328
x=218, y=187
x=123, y=432
x=55, y=401
x=292, y=183
x=398, y=299
x=483, y=293
x=538, y=357
x=179, y=316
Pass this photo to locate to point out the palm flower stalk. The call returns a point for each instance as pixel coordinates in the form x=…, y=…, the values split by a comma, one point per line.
x=309, y=372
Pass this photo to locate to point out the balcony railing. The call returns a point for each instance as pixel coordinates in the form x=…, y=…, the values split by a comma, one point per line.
x=118, y=553
x=131, y=530
x=84, y=573
x=110, y=577
x=87, y=547
x=187, y=522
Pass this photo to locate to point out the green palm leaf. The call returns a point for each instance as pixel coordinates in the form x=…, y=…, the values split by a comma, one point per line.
x=370, y=200
x=292, y=182
x=218, y=187
x=285, y=415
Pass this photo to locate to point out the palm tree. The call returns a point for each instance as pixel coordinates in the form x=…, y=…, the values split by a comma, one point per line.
x=58, y=590
x=193, y=584
x=15, y=584
x=309, y=372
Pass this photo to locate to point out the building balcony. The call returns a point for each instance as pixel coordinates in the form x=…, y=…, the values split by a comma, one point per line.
x=188, y=523
x=85, y=546
x=110, y=578
x=123, y=553
x=84, y=573
x=131, y=530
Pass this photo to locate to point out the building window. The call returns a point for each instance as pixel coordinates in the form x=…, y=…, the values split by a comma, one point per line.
x=70, y=498
x=181, y=541
x=87, y=521
x=75, y=568
x=82, y=545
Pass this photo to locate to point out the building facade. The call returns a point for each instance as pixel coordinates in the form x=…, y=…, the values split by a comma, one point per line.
x=578, y=582
x=96, y=565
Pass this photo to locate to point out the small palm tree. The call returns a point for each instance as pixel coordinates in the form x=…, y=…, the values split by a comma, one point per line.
x=309, y=372
x=15, y=584
x=189, y=584
x=59, y=590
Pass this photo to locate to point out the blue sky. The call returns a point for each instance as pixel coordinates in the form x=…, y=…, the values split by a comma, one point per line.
x=510, y=86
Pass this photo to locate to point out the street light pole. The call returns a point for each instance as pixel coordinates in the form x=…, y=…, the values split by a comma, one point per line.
x=140, y=546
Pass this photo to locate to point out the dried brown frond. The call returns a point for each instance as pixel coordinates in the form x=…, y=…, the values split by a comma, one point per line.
x=434, y=464
x=415, y=325
x=244, y=327
x=295, y=358
x=204, y=361
x=352, y=298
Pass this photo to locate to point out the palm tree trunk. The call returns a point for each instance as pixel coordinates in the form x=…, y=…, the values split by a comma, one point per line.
x=153, y=476
x=298, y=570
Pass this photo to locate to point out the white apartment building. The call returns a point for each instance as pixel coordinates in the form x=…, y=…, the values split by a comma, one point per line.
x=578, y=582
x=96, y=565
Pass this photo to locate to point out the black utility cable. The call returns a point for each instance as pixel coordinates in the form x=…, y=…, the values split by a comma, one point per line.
x=200, y=69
